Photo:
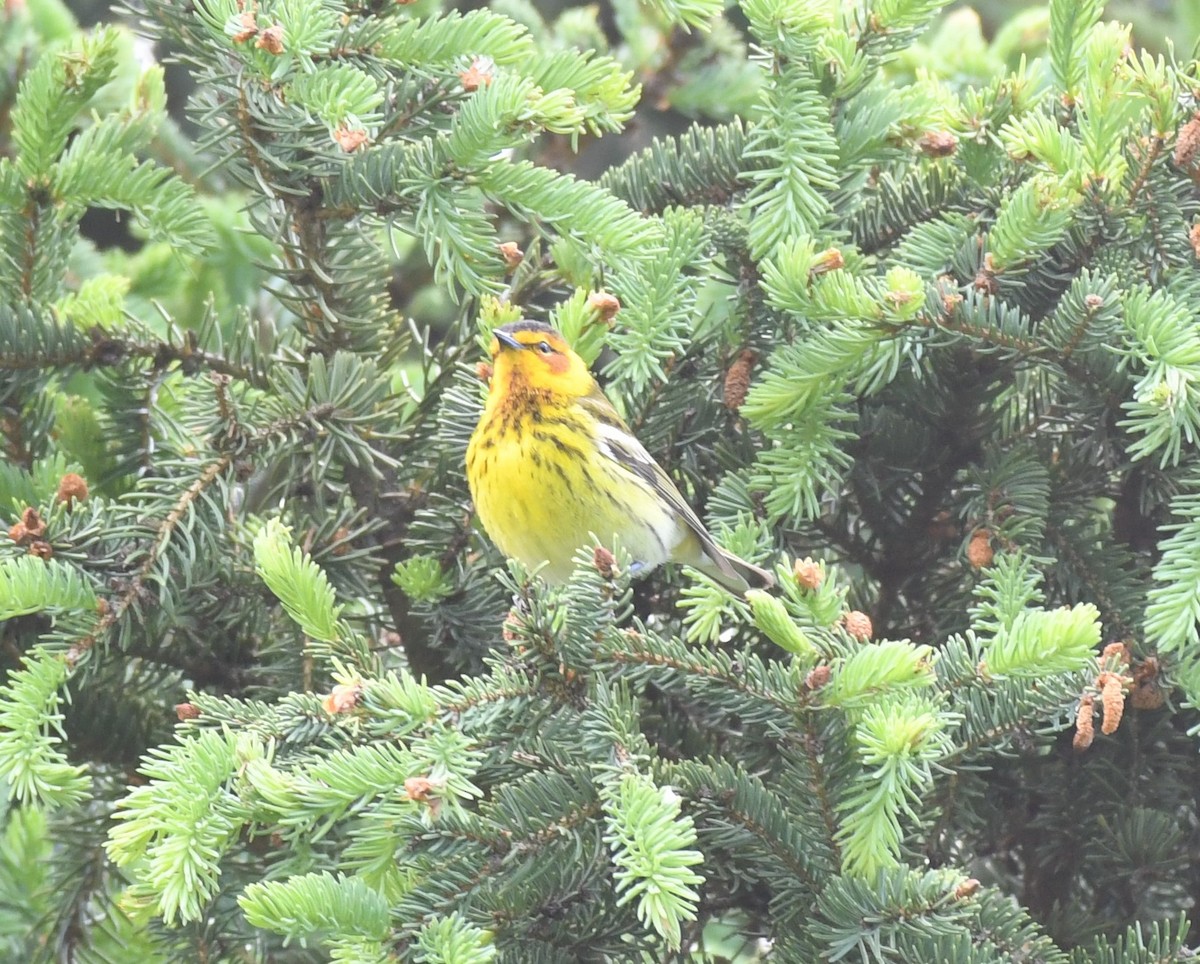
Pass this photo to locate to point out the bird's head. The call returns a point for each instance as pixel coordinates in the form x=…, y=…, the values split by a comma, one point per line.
x=528, y=356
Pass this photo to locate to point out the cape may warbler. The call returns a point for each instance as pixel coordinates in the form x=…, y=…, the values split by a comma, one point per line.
x=551, y=462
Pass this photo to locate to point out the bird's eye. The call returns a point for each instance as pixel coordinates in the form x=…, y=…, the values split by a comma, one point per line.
x=544, y=347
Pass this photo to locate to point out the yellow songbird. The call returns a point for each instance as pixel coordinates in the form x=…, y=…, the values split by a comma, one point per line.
x=551, y=462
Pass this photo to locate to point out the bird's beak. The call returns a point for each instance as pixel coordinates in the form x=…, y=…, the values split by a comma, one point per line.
x=507, y=340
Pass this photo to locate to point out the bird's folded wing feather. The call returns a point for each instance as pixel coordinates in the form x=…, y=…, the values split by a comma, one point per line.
x=615, y=441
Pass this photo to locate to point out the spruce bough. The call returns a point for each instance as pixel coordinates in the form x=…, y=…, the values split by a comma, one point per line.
x=911, y=313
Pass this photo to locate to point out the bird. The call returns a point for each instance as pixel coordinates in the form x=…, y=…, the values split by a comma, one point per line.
x=552, y=466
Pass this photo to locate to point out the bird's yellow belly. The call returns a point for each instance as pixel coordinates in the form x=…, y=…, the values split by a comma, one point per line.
x=541, y=502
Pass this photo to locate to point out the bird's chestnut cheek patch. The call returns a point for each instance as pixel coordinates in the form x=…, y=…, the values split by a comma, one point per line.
x=558, y=363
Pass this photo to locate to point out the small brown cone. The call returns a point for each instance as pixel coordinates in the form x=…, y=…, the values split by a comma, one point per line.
x=605, y=305
x=1147, y=692
x=350, y=139
x=249, y=26
x=1118, y=651
x=823, y=262
x=1085, y=728
x=343, y=698
x=817, y=677
x=1112, y=700
x=512, y=254
x=937, y=144
x=808, y=573
x=979, y=550
x=605, y=562
x=737, y=379
x=481, y=73
x=858, y=624
x=1187, y=144
x=271, y=40
x=72, y=488
x=420, y=789
x=32, y=523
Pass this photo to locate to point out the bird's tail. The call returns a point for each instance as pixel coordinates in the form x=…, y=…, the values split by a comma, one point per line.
x=736, y=575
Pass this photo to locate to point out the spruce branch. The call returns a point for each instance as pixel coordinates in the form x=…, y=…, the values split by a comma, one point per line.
x=176, y=828
x=702, y=165
x=734, y=809
x=29, y=585
x=297, y=581
x=451, y=940
x=651, y=845
x=32, y=763
x=35, y=339
x=320, y=903
x=51, y=97
x=793, y=147
x=152, y=552
x=899, y=743
x=912, y=324
x=1070, y=26
x=1173, y=603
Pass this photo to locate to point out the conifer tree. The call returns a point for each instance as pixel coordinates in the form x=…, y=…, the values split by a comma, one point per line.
x=910, y=315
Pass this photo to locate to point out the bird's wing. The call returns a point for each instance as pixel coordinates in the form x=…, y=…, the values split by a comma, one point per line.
x=615, y=441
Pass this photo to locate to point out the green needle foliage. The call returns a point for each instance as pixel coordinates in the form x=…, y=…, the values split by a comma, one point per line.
x=912, y=316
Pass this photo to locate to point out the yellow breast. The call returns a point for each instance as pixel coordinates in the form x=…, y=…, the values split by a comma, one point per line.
x=543, y=490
